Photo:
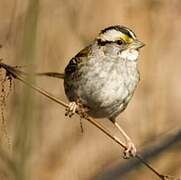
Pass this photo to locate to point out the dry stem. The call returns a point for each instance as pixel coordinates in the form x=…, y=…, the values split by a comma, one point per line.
x=17, y=74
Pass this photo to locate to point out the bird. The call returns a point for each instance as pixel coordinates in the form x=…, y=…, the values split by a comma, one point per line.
x=103, y=77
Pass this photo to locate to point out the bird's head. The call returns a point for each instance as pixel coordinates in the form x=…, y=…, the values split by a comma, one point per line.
x=120, y=35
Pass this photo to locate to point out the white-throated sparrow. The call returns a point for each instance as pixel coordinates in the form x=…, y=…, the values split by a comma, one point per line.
x=103, y=76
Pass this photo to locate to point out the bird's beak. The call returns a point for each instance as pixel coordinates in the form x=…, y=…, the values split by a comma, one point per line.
x=136, y=44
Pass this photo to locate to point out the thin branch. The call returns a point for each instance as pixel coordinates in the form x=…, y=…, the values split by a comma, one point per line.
x=17, y=74
x=152, y=150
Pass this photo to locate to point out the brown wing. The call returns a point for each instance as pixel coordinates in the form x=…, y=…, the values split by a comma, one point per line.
x=72, y=73
x=76, y=61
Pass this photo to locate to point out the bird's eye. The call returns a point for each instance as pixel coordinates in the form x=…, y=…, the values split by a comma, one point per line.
x=119, y=42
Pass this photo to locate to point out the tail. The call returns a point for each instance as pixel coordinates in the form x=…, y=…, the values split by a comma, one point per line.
x=52, y=74
x=15, y=70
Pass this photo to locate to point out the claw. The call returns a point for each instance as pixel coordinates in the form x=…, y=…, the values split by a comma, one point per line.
x=130, y=150
x=71, y=109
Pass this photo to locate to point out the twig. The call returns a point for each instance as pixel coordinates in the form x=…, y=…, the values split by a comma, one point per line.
x=17, y=74
x=153, y=150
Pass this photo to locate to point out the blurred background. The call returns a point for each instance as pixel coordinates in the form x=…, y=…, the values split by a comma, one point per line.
x=37, y=141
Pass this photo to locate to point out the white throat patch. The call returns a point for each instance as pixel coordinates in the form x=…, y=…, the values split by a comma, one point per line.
x=130, y=54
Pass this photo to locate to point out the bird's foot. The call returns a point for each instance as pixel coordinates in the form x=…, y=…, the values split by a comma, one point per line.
x=130, y=150
x=71, y=109
x=76, y=107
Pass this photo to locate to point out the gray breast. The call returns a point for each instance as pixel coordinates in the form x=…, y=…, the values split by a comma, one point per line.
x=104, y=81
x=107, y=85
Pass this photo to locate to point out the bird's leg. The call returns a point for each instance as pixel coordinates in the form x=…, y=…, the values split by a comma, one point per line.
x=130, y=147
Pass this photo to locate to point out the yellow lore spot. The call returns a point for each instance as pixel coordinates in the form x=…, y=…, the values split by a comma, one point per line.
x=126, y=38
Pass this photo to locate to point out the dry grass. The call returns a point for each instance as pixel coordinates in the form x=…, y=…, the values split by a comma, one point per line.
x=45, y=144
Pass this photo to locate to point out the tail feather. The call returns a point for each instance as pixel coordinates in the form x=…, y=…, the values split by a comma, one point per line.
x=52, y=74
x=15, y=70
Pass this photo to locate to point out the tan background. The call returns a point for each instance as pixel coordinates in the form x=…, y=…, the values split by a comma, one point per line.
x=44, y=35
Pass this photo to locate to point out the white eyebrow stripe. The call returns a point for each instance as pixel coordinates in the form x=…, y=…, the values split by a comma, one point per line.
x=111, y=35
x=132, y=34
